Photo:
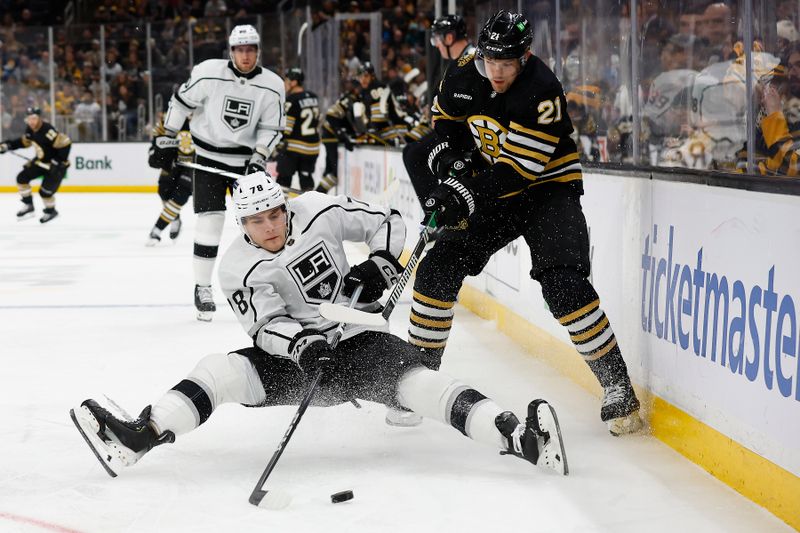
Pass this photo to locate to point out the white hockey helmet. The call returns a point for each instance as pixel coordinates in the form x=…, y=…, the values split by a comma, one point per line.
x=256, y=193
x=241, y=35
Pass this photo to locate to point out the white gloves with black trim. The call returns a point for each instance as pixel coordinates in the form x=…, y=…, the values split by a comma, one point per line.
x=258, y=161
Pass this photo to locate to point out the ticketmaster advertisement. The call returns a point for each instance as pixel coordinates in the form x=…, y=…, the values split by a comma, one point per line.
x=699, y=283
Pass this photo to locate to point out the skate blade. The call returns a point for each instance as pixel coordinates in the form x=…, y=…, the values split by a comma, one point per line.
x=205, y=316
x=151, y=242
x=26, y=217
x=83, y=421
x=402, y=419
x=625, y=425
x=553, y=455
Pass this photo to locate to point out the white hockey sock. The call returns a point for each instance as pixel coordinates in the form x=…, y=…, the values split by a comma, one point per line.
x=441, y=397
x=217, y=379
x=207, y=235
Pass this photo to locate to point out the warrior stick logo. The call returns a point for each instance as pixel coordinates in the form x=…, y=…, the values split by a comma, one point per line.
x=316, y=275
x=236, y=113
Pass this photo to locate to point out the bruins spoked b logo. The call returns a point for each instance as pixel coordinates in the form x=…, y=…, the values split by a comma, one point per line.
x=316, y=275
x=236, y=112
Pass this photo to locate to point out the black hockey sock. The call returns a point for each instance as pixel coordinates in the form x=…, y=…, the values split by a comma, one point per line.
x=576, y=305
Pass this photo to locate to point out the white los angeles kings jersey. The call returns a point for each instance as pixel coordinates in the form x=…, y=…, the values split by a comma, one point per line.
x=276, y=295
x=230, y=112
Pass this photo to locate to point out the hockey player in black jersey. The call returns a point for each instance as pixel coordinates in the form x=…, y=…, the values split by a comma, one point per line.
x=386, y=123
x=338, y=127
x=174, y=184
x=282, y=242
x=449, y=36
x=50, y=164
x=509, y=168
x=299, y=148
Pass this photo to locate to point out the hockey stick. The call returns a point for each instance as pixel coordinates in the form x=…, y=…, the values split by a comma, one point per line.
x=340, y=313
x=29, y=160
x=234, y=175
x=258, y=494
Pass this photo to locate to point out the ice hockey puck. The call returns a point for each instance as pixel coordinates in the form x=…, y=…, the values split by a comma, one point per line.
x=343, y=496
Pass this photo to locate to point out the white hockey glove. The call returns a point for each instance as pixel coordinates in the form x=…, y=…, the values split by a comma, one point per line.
x=258, y=161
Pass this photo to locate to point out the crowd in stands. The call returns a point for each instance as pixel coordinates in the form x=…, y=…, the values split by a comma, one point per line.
x=691, y=69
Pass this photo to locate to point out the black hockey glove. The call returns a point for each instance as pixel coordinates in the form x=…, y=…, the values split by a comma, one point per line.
x=378, y=273
x=258, y=162
x=163, y=152
x=452, y=201
x=345, y=139
x=58, y=169
x=453, y=164
x=3, y=148
x=311, y=351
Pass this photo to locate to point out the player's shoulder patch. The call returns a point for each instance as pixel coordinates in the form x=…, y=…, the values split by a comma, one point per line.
x=463, y=60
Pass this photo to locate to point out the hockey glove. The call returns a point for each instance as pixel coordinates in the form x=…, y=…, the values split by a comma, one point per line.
x=453, y=164
x=163, y=152
x=345, y=139
x=311, y=351
x=3, y=148
x=58, y=169
x=452, y=201
x=258, y=161
x=378, y=273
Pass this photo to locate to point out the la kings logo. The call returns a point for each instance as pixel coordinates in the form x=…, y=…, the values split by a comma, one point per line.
x=236, y=112
x=316, y=275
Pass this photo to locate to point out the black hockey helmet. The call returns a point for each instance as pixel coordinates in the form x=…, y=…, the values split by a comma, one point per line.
x=450, y=24
x=33, y=110
x=366, y=68
x=296, y=74
x=505, y=36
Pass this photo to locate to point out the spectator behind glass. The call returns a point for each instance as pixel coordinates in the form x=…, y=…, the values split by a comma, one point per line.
x=778, y=134
x=87, y=117
x=718, y=27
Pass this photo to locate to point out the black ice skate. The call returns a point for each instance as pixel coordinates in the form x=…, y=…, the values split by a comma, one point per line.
x=620, y=409
x=27, y=211
x=175, y=228
x=539, y=440
x=154, y=238
x=204, y=302
x=116, y=443
x=48, y=214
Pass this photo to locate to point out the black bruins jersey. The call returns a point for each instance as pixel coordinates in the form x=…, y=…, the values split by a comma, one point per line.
x=523, y=134
x=340, y=117
x=50, y=145
x=386, y=119
x=302, y=123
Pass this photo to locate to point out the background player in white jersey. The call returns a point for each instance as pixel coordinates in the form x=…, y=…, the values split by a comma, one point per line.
x=237, y=118
x=288, y=261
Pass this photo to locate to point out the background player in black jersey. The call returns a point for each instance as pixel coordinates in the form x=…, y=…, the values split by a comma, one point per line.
x=509, y=169
x=338, y=127
x=449, y=36
x=50, y=163
x=299, y=148
x=386, y=120
x=174, y=184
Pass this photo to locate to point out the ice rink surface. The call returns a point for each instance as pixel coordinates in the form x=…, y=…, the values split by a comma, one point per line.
x=87, y=310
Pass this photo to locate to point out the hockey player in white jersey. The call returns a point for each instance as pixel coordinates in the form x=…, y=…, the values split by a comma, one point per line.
x=287, y=261
x=237, y=118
